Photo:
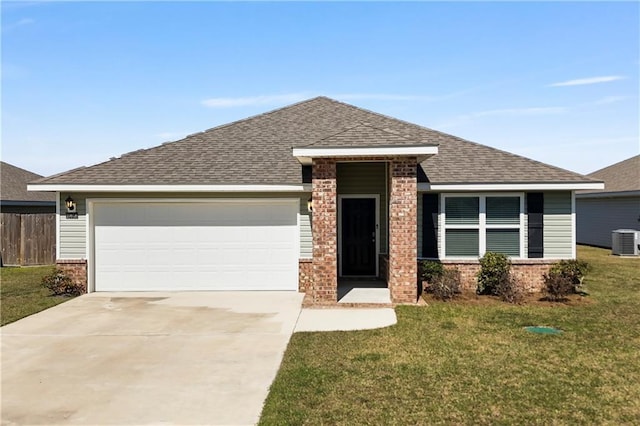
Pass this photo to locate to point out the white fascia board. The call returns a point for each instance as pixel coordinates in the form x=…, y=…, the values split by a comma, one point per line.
x=424, y=187
x=169, y=188
x=304, y=155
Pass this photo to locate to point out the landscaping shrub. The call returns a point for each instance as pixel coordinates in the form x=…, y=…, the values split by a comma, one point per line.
x=60, y=284
x=446, y=285
x=574, y=270
x=509, y=290
x=493, y=274
x=430, y=270
x=557, y=286
x=564, y=278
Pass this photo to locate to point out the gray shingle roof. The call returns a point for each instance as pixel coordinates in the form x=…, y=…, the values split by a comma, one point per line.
x=365, y=135
x=258, y=150
x=13, y=186
x=619, y=177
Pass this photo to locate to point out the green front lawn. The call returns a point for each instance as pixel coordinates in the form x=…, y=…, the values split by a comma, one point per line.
x=460, y=363
x=21, y=293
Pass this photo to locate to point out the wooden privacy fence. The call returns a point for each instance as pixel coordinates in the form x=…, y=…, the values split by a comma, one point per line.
x=28, y=238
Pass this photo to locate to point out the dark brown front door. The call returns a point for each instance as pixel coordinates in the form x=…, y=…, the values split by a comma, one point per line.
x=358, y=236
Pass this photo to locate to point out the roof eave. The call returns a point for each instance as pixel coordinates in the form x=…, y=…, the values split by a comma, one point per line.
x=422, y=152
x=508, y=186
x=72, y=187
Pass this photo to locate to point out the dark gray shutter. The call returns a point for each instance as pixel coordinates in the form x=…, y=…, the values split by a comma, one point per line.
x=430, y=209
x=306, y=174
x=535, y=216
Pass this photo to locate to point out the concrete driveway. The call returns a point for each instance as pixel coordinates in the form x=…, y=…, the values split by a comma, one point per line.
x=146, y=358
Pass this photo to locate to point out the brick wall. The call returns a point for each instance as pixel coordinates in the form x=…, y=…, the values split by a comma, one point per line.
x=324, y=288
x=528, y=273
x=399, y=267
x=403, y=208
x=305, y=275
x=76, y=269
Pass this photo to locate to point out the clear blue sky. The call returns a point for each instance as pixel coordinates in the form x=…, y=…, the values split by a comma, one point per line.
x=85, y=81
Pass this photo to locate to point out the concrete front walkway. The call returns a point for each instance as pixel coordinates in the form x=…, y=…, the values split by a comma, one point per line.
x=345, y=319
x=146, y=358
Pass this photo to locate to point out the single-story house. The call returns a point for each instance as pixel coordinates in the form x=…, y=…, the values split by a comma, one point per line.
x=304, y=196
x=27, y=219
x=617, y=206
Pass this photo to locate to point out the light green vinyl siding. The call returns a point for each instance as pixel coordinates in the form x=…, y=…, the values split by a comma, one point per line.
x=557, y=235
x=306, y=238
x=366, y=178
x=73, y=234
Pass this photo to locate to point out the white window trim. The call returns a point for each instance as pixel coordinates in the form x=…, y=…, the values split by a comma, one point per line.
x=482, y=223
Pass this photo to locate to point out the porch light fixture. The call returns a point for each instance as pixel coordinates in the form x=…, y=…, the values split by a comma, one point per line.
x=310, y=204
x=71, y=205
x=72, y=213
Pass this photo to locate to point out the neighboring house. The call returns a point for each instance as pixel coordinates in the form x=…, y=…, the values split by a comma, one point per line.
x=300, y=197
x=617, y=206
x=27, y=226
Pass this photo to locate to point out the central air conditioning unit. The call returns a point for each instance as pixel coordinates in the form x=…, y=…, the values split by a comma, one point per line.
x=625, y=242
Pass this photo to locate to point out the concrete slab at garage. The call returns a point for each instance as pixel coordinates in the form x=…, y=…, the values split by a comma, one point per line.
x=147, y=358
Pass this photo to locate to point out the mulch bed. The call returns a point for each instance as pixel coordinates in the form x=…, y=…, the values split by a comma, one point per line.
x=470, y=298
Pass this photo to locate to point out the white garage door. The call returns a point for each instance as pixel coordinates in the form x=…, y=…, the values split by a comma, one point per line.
x=219, y=245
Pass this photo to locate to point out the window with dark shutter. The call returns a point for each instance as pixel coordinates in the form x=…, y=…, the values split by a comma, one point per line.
x=474, y=225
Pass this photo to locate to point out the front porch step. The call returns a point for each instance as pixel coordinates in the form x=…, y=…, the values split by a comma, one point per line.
x=355, y=293
x=309, y=304
x=359, y=295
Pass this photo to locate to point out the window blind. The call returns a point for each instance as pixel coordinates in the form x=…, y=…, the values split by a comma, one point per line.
x=462, y=242
x=503, y=210
x=505, y=241
x=462, y=210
